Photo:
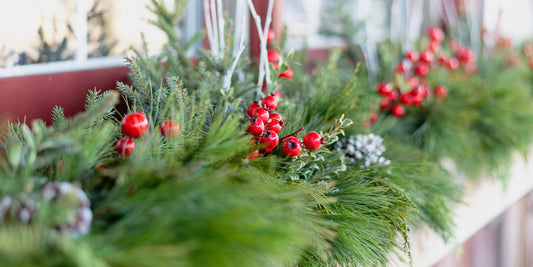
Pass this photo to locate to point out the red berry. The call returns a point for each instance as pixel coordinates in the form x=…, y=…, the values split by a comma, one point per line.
x=530, y=62
x=528, y=49
x=270, y=36
x=411, y=55
x=287, y=74
x=443, y=60
x=273, y=55
x=254, y=155
x=413, y=81
x=125, y=146
x=385, y=88
x=417, y=99
x=291, y=146
x=417, y=90
x=470, y=67
x=401, y=68
x=102, y=167
x=256, y=127
x=275, y=116
x=454, y=45
x=274, y=125
x=313, y=140
x=426, y=56
x=434, y=46
x=269, y=140
x=170, y=128
x=398, y=111
x=393, y=96
x=385, y=103
x=261, y=114
x=277, y=94
x=513, y=59
x=134, y=125
x=421, y=69
x=425, y=91
x=453, y=64
x=435, y=34
x=440, y=92
x=418, y=94
x=465, y=55
x=269, y=102
x=252, y=107
x=374, y=117
x=406, y=98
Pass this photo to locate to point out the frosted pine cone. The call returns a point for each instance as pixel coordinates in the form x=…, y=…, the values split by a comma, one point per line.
x=366, y=150
x=5, y=206
x=28, y=208
x=21, y=209
x=79, y=220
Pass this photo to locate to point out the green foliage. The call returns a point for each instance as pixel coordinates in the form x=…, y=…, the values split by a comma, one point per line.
x=421, y=191
x=484, y=119
x=209, y=217
x=196, y=199
x=67, y=153
x=58, y=117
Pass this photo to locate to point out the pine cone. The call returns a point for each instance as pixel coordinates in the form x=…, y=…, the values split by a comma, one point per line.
x=80, y=221
x=366, y=150
x=5, y=206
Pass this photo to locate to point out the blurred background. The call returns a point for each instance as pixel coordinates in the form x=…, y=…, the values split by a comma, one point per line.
x=38, y=31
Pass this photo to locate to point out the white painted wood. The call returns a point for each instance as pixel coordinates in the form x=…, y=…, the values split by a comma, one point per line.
x=484, y=201
x=61, y=66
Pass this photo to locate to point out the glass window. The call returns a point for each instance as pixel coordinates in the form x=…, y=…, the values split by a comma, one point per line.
x=320, y=23
x=303, y=20
x=77, y=34
x=36, y=31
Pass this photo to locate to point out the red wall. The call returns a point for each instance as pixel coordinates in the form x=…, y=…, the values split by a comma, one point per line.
x=30, y=97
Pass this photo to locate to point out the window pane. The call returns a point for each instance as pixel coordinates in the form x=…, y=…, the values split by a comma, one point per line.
x=305, y=20
x=36, y=31
x=116, y=25
x=100, y=39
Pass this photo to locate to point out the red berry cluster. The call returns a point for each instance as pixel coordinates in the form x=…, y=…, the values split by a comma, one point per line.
x=265, y=125
x=412, y=72
x=514, y=58
x=135, y=125
x=528, y=52
x=274, y=57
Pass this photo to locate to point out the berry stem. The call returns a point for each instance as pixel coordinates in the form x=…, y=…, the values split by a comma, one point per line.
x=292, y=134
x=123, y=152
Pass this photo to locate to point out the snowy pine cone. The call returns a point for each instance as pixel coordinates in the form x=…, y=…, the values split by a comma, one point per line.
x=366, y=150
x=79, y=222
x=22, y=209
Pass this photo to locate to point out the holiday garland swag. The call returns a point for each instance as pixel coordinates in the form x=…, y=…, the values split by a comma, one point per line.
x=217, y=163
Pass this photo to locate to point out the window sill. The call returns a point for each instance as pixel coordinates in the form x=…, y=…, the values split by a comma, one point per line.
x=61, y=66
x=483, y=202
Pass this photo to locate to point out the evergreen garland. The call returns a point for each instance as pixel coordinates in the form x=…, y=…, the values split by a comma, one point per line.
x=475, y=125
x=198, y=199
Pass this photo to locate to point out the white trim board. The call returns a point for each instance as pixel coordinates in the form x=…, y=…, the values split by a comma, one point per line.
x=61, y=66
x=484, y=202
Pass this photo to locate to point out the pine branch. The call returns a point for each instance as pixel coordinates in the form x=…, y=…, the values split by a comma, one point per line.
x=58, y=117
